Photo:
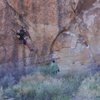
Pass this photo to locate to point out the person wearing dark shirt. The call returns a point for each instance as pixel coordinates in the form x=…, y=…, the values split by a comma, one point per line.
x=21, y=34
x=25, y=38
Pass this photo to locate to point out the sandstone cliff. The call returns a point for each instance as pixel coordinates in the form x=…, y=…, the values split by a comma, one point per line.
x=68, y=28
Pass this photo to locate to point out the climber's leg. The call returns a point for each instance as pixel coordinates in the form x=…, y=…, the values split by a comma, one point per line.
x=24, y=42
x=29, y=45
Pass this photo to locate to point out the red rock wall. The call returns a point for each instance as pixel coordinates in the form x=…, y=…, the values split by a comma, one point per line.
x=44, y=19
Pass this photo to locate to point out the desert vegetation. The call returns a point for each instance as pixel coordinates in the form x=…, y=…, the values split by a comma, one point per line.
x=41, y=85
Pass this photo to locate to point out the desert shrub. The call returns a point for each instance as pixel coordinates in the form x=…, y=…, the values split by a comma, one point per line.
x=44, y=70
x=7, y=81
x=1, y=93
x=71, y=82
x=90, y=88
x=29, y=88
x=62, y=97
x=39, y=86
x=49, y=69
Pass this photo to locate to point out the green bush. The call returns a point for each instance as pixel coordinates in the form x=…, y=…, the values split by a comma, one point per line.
x=90, y=88
x=50, y=69
x=45, y=87
x=30, y=89
x=62, y=97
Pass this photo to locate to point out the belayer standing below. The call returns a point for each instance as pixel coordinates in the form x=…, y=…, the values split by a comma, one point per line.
x=54, y=67
x=24, y=37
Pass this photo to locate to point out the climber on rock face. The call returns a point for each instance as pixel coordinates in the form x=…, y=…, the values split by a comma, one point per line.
x=24, y=37
x=21, y=34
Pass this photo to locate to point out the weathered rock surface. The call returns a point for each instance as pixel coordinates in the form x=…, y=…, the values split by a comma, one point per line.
x=77, y=46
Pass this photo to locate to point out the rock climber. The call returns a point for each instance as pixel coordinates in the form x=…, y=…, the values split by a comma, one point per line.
x=23, y=36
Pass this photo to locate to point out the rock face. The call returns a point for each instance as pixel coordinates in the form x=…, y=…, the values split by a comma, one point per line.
x=68, y=28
